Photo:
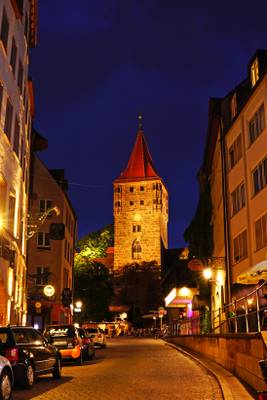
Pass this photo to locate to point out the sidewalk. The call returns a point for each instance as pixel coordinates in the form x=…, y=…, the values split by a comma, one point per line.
x=231, y=387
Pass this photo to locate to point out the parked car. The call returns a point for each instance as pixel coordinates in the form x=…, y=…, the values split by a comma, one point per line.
x=88, y=345
x=99, y=338
x=67, y=339
x=6, y=379
x=29, y=354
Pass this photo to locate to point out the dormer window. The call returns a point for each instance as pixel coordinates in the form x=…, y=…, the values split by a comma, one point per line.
x=233, y=106
x=254, y=72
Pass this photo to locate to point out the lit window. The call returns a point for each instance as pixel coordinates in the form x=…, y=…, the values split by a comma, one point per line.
x=254, y=72
x=233, y=106
x=136, y=250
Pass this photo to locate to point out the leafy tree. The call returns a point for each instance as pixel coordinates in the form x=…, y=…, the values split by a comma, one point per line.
x=94, y=245
x=93, y=285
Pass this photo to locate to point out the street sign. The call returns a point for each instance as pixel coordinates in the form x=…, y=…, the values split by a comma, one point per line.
x=196, y=264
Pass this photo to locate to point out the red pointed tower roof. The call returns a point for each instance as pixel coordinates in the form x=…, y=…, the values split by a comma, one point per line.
x=140, y=165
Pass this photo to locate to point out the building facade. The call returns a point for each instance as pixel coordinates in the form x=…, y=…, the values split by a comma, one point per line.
x=50, y=261
x=17, y=35
x=140, y=210
x=235, y=165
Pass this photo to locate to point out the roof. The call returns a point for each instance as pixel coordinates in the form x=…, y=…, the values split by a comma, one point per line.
x=140, y=165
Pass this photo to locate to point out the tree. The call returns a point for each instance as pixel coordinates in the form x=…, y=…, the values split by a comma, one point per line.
x=94, y=245
x=93, y=285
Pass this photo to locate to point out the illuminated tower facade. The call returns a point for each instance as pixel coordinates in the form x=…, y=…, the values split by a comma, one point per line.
x=140, y=209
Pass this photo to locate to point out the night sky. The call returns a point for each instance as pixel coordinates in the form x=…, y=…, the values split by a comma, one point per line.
x=98, y=63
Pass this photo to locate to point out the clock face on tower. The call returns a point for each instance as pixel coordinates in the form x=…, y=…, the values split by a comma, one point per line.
x=137, y=217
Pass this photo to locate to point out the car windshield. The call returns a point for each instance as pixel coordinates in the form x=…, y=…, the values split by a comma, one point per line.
x=5, y=337
x=60, y=331
x=92, y=330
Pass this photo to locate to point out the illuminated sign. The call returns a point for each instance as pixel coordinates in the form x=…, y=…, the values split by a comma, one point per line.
x=49, y=290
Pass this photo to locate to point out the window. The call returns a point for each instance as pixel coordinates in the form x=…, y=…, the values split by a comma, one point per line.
x=240, y=247
x=131, y=189
x=26, y=26
x=13, y=57
x=157, y=186
x=238, y=198
x=117, y=203
x=42, y=275
x=20, y=77
x=256, y=124
x=261, y=232
x=11, y=212
x=142, y=188
x=43, y=239
x=8, y=119
x=118, y=189
x=259, y=176
x=235, y=152
x=136, y=250
x=233, y=106
x=131, y=203
x=254, y=72
x=3, y=197
x=44, y=205
x=136, y=228
x=4, y=30
x=16, y=137
x=141, y=202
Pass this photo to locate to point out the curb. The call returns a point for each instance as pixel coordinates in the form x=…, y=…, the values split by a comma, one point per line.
x=222, y=376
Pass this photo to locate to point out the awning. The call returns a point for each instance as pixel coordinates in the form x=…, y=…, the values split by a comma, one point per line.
x=180, y=297
x=253, y=274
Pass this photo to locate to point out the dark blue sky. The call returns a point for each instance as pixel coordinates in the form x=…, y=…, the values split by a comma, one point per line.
x=99, y=62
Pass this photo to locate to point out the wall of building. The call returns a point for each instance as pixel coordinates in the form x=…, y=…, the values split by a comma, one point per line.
x=58, y=255
x=14, y=162
x=240, y=354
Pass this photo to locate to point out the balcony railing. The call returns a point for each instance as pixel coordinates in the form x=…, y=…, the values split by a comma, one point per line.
x=247, y=314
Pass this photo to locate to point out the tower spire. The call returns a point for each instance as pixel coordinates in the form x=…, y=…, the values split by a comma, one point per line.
x=140, y=121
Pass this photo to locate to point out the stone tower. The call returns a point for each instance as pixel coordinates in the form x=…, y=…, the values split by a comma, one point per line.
x=140, y=209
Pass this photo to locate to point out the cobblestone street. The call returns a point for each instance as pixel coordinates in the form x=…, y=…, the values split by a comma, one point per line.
x=129, y=369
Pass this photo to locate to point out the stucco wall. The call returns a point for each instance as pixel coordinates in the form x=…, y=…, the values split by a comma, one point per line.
x=239, y=354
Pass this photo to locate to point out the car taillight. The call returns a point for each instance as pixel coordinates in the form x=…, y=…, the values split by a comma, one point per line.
x=12, y=354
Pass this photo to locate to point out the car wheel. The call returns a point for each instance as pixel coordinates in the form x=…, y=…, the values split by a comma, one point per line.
x=28, y=377
x=57, y=369
x=5, y=386
x=80, y=360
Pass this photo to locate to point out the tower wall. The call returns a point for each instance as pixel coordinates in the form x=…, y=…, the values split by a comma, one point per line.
x=140, y=219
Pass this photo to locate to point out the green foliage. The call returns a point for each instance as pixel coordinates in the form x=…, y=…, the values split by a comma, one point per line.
x=93, y=285
x=94, y=245
x=199, y=234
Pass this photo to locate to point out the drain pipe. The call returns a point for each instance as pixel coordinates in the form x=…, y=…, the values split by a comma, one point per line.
x=225, y=215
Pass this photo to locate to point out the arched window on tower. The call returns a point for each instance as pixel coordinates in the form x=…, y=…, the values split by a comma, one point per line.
x=136, y=250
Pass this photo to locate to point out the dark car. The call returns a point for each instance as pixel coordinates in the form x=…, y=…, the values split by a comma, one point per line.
x=29, y=354
x=88, y=345
x=67, y=339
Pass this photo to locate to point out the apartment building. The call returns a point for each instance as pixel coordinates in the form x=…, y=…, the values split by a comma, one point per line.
x=17, y=34
x=50, y=261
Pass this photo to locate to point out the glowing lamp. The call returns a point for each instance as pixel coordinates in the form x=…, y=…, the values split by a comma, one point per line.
x=207, y=273
x=49, y=290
